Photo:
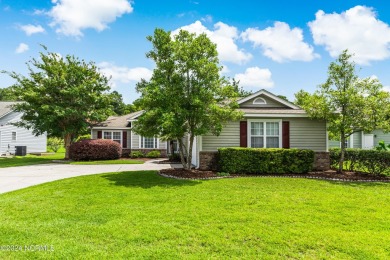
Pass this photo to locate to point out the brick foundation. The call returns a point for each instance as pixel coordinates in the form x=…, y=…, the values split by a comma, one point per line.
x=321, y=161
x=208, y=161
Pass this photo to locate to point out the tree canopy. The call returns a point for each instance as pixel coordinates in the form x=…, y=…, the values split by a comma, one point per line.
x=62, y=96
x=186, y=96
x=348, y=103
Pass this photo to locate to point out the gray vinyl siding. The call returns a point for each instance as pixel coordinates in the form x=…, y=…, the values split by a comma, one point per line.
x=357, y=140
x=379, y=135
x=135, y=141
x=94, y=134
x=307, y=134
x=334, y=144
x=270, y=103
x=304, y=134
x=229, y=137
x=24, y=137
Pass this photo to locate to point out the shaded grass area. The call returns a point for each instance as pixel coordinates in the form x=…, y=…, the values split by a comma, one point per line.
x=143, y=215
x=127, y=161
x=29, y=160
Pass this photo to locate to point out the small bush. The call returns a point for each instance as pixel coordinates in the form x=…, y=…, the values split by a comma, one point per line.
x=83, y=137
x=99, y=149
x=265, y=161
x=137, y=154
x=174, y=157
x=223, y=174
x=153, y=154
x=54, y=143
x=370, y=161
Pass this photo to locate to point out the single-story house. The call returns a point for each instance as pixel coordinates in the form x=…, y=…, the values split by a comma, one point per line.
x=268, y=121
x=363, y=140
x=11, y=136
x=118, y=128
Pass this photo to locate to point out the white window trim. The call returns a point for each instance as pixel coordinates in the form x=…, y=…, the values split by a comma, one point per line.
x=259, y=101
x=112, y=135
x=264, y=121
x=16, y=136
x=140, y=143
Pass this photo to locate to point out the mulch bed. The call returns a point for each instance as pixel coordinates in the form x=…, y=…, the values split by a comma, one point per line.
x=326, y=175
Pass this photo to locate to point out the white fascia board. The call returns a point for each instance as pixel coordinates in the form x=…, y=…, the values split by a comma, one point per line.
x=276, y=115
x=269, y=95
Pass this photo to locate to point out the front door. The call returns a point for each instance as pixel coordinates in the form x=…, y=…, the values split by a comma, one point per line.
x=368, y=141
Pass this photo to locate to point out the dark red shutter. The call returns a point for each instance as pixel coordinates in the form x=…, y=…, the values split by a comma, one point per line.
x=286, y=134
x=243, y=134
x=124, y=141
x=99, y=134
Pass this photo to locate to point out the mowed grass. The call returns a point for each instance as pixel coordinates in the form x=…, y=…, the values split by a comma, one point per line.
x=29, y=160
x=145, y=216
x=34, y=159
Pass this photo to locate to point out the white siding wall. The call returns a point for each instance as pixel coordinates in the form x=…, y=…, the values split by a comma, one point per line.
x=24, y=137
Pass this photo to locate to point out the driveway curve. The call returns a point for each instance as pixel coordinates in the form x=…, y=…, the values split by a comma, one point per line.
x=15, y=178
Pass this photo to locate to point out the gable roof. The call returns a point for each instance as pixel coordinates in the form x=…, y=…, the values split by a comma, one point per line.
x=6, y=107
x=269, y=95
x=120, y=121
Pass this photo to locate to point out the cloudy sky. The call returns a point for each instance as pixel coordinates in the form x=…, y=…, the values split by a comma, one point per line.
x=282, y=46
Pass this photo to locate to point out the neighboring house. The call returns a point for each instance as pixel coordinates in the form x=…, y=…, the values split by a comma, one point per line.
x=363, y=140
x=118, y=128
x=268, y=122
x=11, y=136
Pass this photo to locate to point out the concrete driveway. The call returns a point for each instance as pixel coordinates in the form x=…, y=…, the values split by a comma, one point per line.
x=15, y=178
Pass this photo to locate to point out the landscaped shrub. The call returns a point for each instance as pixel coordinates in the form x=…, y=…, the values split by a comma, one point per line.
x=83, y=137
x=54, y=143
x=265, y=161
x=370, y=161
x=137, y=154
x=99, y=149
x=153, y=154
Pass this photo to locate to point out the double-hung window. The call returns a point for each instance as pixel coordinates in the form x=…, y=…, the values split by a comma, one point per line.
x=264, y=134
x=115, y=136
x=149, y=142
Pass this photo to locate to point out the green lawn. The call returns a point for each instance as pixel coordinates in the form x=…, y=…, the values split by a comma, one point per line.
x=142, y=215
x=33, y=159
x=29, y=160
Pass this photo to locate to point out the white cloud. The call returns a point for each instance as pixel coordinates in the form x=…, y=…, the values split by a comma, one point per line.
x=22, y=48
x=30, y=29
x=207, y=19
x=280, y=43
x=386, y=88
x=357, y=30
x=124, y=74
x=72, y=16
x=255, y=77
x=224, y=36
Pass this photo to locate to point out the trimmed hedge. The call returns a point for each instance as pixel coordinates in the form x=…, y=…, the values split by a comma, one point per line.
x=370, y=161
x=96, y=149
x=265, y=160
x=153, y=154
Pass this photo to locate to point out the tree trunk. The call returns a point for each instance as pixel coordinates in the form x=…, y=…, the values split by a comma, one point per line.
x=189, y=153
x=181, y=152
x=341, y=162
x=67, y=141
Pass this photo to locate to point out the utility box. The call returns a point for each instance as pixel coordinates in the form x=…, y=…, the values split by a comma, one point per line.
x=20, y=150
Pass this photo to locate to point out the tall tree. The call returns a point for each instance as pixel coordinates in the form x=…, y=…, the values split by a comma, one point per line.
x=186, y=96
x=347, y=103
x=119, y=107
x=8, y=94
x=62, y=96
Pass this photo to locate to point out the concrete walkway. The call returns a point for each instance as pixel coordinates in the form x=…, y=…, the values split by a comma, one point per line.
x=15, y=178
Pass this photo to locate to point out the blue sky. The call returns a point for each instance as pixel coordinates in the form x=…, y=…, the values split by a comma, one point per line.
x=282, y=46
